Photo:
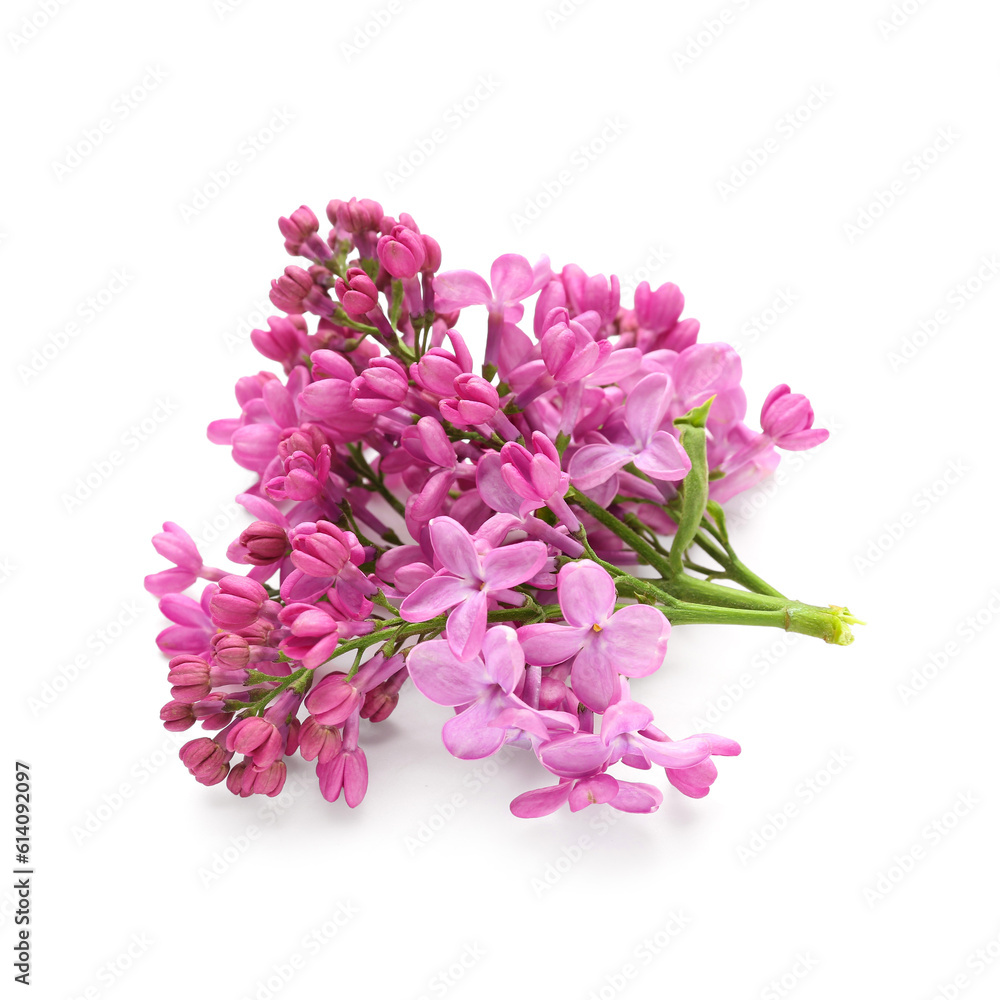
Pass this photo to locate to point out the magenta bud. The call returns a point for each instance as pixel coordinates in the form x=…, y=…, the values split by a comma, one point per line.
x=658, y=311
x=402, y=252
x=288, y=291
x=357, y=293
x=238, y=602
x=283, y=340
x=177, y=716
x=265, y=542
x=787, y=418
x=432, y=255
x=244, y=780
x=298, y=227
x=333, y=699
x=318, y=741
x=206, y=760
x=477, y=401
x=230, y=650
x=256, y=738
x=355, y=216
x=189, y=676
x=381, y=387
x=381, y=701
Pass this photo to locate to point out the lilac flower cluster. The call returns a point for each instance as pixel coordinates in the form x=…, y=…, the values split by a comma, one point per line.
x=551, y=502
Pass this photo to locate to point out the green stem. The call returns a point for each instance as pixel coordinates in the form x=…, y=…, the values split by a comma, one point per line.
x=361, y=465
x=735, y=570
x=622, y=530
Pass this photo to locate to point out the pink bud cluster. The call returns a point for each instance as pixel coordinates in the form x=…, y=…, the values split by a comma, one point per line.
x=423, y=520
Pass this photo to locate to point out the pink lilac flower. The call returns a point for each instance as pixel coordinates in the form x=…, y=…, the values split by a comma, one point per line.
x=787, y=418
x=627, y=796
x=481, y=687
x=414, y=513
x=175, y=544
x=467, y=581
x=654, y=451
x=512, y=279
x=346, y=769
x=602, y=642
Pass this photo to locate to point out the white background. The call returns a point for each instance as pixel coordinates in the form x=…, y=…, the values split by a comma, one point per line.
x=125, y=900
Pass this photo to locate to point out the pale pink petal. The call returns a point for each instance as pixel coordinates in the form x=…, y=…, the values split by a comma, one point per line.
x=453, y=545
x=663, y=458
x=594, y=677
x=457, y=289
x=637, y=797
x=433, y=597
x=511, y=277
x=677, y=753
x=624, y=717
x=541, y=801
x=504, y=657
x=493, y=487
x=694, y=781
x=647, y=405
x=593, y=791
x=636, y=639
x=595, y=464
x=467, y=625
x=469, y=734
x=512, y=565
x=574, y=756
x=586, y=593
x=547, y=644
x=439, y=675
x=169, y=581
